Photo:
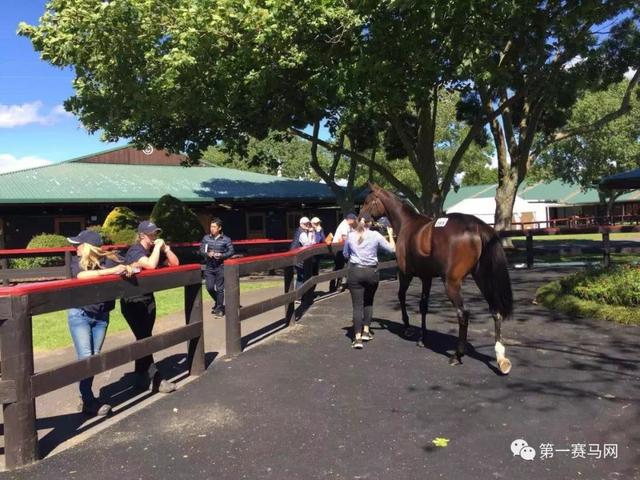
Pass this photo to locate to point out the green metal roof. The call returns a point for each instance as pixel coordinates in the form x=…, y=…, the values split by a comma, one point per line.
x=77, y=182
x=555, y=191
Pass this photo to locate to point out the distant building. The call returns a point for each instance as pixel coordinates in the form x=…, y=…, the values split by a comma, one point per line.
x=68, y=196
x=539, y=202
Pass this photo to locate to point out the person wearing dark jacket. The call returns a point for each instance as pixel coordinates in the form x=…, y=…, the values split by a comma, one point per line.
x=149, y=253
x=216, y=248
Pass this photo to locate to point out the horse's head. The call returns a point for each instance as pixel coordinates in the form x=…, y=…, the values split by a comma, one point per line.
x=372, y=204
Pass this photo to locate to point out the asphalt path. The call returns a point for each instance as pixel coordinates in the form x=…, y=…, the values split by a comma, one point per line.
x=304, y=405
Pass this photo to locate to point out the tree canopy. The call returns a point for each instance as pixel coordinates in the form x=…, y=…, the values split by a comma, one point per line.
x=385, y=76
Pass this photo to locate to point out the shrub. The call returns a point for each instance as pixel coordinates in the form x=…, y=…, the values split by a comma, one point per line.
x=177, y=221
x=120, y=226
x=44, y=240
x=606, y=294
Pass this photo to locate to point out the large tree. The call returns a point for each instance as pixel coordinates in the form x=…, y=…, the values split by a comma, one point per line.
x=548, y=54
x=186, y=75
x=585, y=158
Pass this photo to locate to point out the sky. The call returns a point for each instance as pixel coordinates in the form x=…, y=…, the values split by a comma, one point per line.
x=34, y=128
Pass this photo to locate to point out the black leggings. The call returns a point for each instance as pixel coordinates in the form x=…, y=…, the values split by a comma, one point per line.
x=363, y=283
x=141, y=316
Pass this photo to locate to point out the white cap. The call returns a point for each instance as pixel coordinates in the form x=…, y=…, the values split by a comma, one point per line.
x=304, y=220
x=316, y=220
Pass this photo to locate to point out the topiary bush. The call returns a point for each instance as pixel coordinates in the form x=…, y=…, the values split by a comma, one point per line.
x=120, y=226
x=177, y=221
x=44, y=240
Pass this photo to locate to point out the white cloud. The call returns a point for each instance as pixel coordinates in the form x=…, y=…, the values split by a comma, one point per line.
x=630, y=73
x=578, y=59
x=27, y=113
x=11, y=163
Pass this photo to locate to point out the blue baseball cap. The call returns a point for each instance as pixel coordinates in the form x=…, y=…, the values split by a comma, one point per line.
x=147, y=226
x=86, y=236
x=351, y=216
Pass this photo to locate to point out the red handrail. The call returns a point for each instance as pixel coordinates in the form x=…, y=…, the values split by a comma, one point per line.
x=54, y=285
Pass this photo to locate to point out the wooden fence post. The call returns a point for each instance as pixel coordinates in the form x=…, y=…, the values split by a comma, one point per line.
x=20, y=435
x=4, y=265
x=307, y=266
x=193, y=314
x=289, y=286
x=529, y=249
x=233, y=332
x=606, y=253
x=67, y=264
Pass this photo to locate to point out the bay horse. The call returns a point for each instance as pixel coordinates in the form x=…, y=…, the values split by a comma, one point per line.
x=450, y=247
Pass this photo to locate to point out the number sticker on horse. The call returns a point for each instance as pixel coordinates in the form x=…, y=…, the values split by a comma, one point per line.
x=441, y=222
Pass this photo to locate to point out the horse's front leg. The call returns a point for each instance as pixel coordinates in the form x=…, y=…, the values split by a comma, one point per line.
x=424, y=309
x=405, y=281
x=452, y=287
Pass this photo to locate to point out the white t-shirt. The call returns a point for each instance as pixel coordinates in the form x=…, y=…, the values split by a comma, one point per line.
x=307, y=238
x=343, y=230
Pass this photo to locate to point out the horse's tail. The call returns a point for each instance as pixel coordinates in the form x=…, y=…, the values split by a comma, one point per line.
x=492, y=275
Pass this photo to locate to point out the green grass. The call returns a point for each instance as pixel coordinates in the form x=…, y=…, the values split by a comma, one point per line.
x=610, y=295
x=50, y=330
x=584, y=236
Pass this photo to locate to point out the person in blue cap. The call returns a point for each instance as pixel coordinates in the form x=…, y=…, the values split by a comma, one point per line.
x=216, y=247
x=149, y=253
x=88, y=324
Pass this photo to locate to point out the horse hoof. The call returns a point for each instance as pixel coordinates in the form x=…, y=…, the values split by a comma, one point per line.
x=455, y=361
x=505, y=366
x=420, y=344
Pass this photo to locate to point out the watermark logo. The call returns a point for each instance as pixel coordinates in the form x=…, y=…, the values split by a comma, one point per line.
x=520, y=448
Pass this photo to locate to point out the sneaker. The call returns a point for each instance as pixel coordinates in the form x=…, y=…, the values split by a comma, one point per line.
x=357, y=344
x=218, y=312
x=165, y=386
x=94, y=408
x=366, y=336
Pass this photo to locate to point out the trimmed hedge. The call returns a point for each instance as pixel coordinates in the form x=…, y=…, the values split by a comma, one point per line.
x=120, y=226
x=177, y=221
x=606, y=294
x=44, y=240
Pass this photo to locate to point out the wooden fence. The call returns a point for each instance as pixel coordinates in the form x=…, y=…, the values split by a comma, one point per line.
x=20, y=386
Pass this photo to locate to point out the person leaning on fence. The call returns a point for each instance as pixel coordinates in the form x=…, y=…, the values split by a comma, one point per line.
x=361, y=248
x=343, y=230
x=88, y=324
x=216, y=248
x=148, y=253
x=304, y=237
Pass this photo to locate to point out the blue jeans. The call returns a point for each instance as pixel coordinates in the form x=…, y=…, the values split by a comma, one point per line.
x=87, y=332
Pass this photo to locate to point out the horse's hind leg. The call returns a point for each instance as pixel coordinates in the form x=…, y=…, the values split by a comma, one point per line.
x=452, y=288
x=424, y=308
x=503, y=362
x=405, y=280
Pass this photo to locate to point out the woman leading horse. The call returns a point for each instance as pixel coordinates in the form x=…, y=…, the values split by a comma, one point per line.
x=450, y=247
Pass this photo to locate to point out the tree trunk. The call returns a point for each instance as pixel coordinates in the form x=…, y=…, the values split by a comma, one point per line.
x=505, y=199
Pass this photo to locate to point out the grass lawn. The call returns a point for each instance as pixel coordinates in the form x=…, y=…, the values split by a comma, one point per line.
x=630, y=236
x=50, y=330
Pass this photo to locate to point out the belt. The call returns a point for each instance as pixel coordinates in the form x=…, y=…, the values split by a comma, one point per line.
x=357, y=265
